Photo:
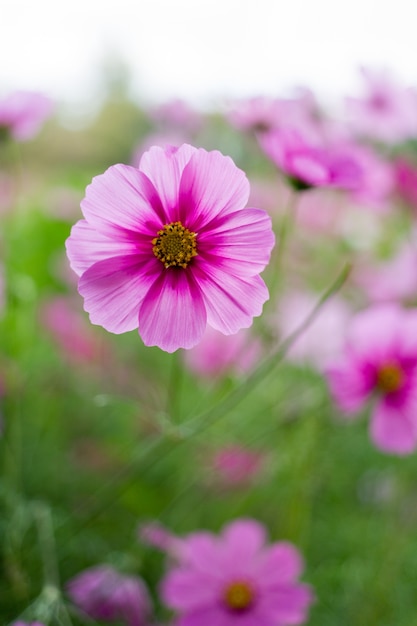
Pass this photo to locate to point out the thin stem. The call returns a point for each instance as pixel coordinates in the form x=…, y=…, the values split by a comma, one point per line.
x=265, y=368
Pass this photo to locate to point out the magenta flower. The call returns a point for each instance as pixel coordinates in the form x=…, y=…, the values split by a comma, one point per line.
x=380, y=362
x=23, y=113
x=307, y=162
x=105, y=594
x=237, y=580
x=169, y=248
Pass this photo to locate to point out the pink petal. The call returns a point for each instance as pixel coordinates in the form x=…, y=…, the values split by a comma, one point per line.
x=202, y=553
x=288, y=604
x=308, y=168
x=113, y=290
x=374, y=333
x=240, y=242
x=86, y=246
x=393, y=429
x=122, y=203
x=350, y=384
x=164, y=167
x=211, y=186
x=281, y=563
x=186, y=590
x=173, y=314
x=242, y=540
x=231, y=301
x=210, y=616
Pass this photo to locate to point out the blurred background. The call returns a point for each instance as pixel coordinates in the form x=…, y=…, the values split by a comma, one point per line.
x=201, y=50
x=87, y=449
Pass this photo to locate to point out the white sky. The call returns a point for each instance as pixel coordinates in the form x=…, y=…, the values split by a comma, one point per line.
x=204, y=50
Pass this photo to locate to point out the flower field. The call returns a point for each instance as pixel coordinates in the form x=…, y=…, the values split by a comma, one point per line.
x=208, y=361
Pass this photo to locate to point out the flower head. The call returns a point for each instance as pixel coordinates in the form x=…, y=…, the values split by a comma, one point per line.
x=23, y=113
x=169, y=247
x=306, y=161
x=380, y=360
x=105, y=594
x=235, y=579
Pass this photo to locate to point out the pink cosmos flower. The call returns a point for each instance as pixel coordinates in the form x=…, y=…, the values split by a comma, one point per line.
x=23, y=113
x=169, y=248
x=380, y=362
x=105, y=594
x=307, y=162
x=387, y=111
x=217, y=353
x=237, y=580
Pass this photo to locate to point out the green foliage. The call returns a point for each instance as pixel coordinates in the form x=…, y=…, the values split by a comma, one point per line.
x=94, y=448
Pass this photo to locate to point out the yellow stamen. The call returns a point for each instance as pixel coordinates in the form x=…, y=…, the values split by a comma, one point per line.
x=238, y=596
x=390, y=378
x=175, y=245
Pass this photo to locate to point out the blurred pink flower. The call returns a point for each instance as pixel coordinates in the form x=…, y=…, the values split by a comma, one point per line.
x=237, y=579
x=406, y=181
x=308, y=162
x=323, y=339
x=217, y=354
x=23, y=113
x=70, y=330
x=387, y=111
x=234, y=466
x=391, y=279
x=380, y=361
x=169, y=247
x=105, y=594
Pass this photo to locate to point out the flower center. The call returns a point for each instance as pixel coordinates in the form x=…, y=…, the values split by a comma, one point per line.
x=390, y=378
x=238, y=596
x=175, y=245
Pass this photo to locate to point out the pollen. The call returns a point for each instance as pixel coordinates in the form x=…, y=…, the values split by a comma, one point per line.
x=238, y=596
x=175, y=245
x=390, y=378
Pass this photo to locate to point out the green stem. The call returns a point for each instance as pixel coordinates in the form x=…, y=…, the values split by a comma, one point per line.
x=212, y=414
